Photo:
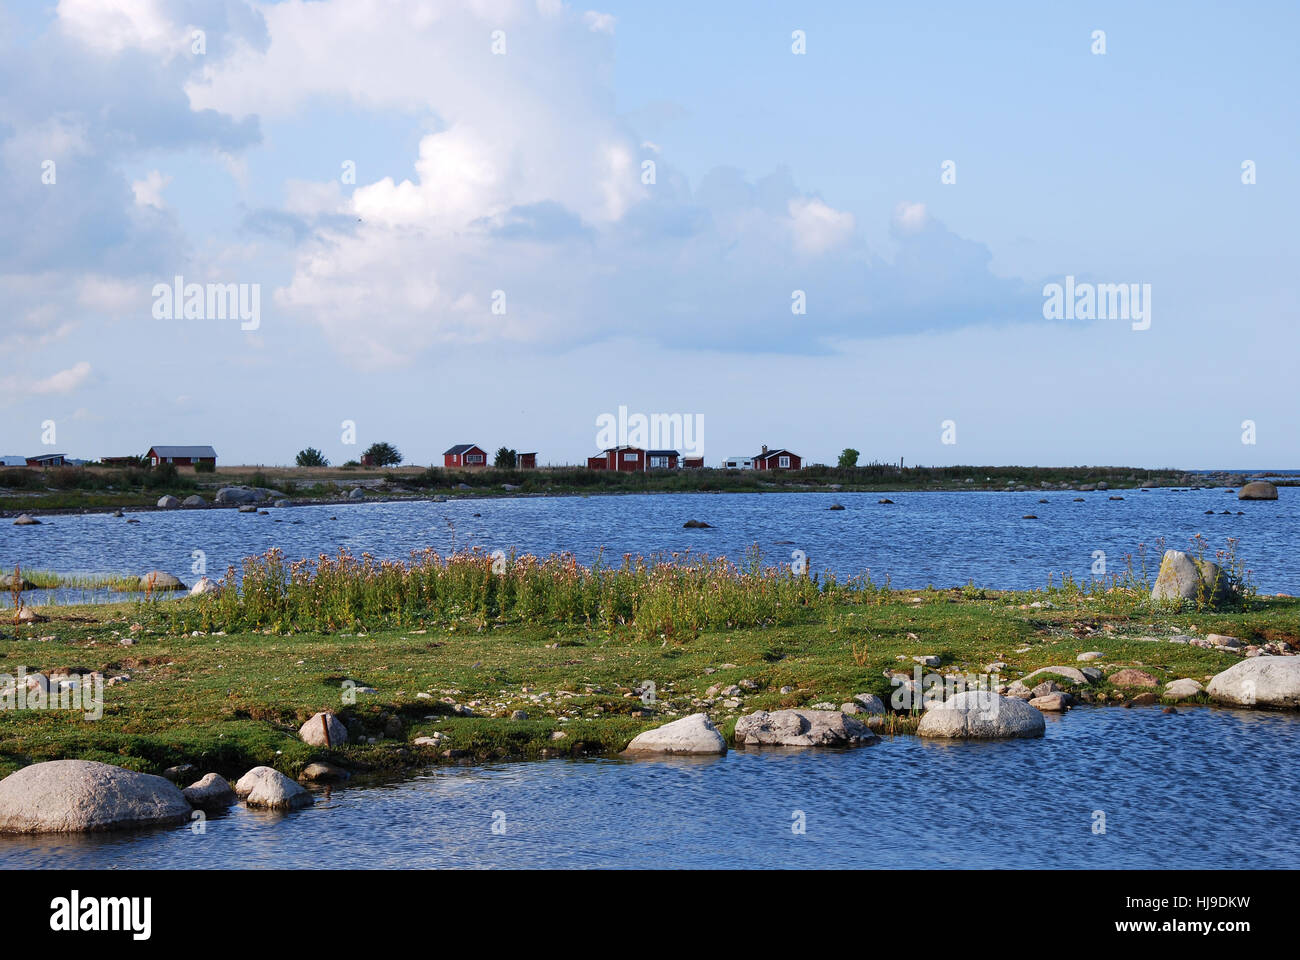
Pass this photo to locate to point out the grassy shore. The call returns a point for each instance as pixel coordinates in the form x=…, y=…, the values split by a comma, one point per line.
x=102, y=488
x=228, y=700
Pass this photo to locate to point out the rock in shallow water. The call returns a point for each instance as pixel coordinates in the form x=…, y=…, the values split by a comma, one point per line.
x=212, y=792
x=695, y=734
x=75, y=796
x=268, y=787
x=802, y=728
x=981, y=715
x=1259, y=682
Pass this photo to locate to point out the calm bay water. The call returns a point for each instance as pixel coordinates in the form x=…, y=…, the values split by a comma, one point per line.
x=943, y=539
x=1203, y=788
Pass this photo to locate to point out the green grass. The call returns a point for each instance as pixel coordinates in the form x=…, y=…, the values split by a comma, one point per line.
x=227, y=703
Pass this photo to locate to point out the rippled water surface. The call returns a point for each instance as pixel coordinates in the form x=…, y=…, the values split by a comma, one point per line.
x=1203, y=788
x=922, y=538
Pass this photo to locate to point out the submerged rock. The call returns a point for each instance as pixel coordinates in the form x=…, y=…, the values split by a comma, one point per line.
x=802, y=728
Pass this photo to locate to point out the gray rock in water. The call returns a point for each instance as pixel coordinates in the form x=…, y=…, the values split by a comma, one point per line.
x=319, y=772
x=695, y=734
x=1184, y=577
x=283, y=503
x=268, y=787
x=26, y=520
x=75, y=796
x=323, y=730
x=168, y=502
x=1258, y=490
x=1259, y=682
x=8, y=581
x=159, y=581
x=212, y=792
x=981, y=715
x=802, y=728
x=356, y=493
x=194, y=500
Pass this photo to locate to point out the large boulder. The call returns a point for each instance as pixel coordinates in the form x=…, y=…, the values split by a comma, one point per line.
x=75, y=796
x=802, y=728
x=212, y=792
x=1258, y=490
x=168, y=502
x=1185, y=577
x=236, y=495
x=981, y=715
x=194, y=500
x=695, y=734
x=1259, y=682
x=159, y=581
x=1129, y=677
x=268, y=787
x=26, y=520
x=1182, y=689
x=8, y=582
x=324, y=730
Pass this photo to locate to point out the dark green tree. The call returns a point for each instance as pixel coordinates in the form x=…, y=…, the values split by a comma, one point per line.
x=505, y=459
x=311, y=457
x=848, y=459
x=382, y=455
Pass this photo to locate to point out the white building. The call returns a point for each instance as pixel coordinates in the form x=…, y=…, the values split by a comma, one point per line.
x=738, y=463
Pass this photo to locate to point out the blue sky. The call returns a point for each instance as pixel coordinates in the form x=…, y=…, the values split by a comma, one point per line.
x=522, y=173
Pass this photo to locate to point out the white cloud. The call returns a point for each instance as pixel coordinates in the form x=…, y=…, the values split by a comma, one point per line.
x=114, y=25
x=599, y=22
x=910, y=218
x=16, y=386
x=818, y=227
x=148, y=192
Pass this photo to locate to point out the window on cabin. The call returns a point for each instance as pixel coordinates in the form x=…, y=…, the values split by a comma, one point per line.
x=629, y=458
x=784, y=461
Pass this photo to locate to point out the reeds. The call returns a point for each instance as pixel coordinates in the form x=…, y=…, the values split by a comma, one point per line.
x=673, y=597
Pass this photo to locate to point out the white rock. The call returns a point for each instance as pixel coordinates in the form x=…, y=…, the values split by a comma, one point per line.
x=1182, y=689
x=74, y=796
x=210, y=793
x=694, y=734
x=268, y=787
x=323, y=730
x=981, y=714
x=1259, y=682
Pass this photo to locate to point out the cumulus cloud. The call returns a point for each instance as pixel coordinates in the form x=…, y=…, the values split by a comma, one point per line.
x=148, y=192
x=62, y=382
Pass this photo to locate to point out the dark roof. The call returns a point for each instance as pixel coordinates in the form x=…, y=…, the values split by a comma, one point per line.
x=193, y=453
x=461, y=448
x=48, y=456
x=617, y=449
x=662, y=453
x=773, y=453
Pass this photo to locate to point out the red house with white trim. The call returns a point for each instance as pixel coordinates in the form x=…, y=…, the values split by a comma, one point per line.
x=633, y=460
x=777, y=460
x=465, y=455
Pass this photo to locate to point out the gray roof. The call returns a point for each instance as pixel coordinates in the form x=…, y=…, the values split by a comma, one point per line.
x=461, y=448
x=192, y=453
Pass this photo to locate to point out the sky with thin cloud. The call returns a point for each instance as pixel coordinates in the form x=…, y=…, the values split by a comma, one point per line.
x=493, y=221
